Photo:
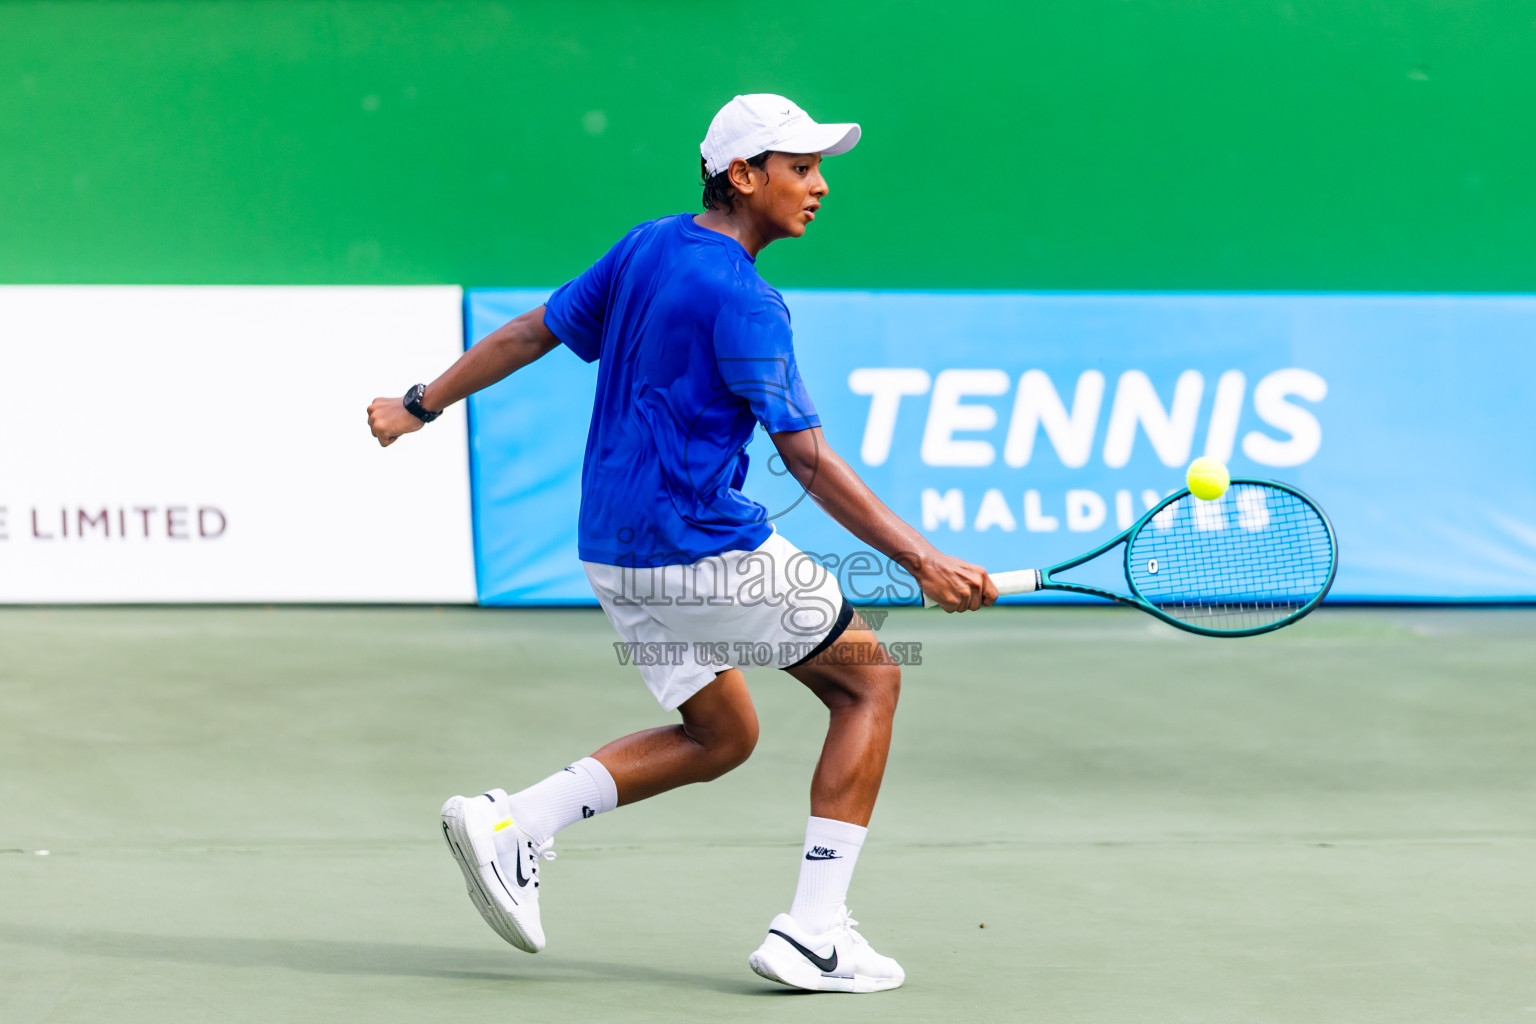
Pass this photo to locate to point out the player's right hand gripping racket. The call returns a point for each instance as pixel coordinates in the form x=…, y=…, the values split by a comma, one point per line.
x=1259, y=557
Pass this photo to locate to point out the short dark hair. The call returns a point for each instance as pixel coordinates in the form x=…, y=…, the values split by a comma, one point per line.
x=719, y=193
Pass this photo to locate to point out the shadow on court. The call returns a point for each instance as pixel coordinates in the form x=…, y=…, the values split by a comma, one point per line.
x=327, y=956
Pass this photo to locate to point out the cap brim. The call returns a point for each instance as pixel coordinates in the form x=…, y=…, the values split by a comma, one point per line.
x=826, y=139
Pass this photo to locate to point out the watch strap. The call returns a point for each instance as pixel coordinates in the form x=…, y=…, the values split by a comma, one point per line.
x=412, y=402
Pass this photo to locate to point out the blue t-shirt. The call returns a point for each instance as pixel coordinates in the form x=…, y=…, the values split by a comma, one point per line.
x=694, y=350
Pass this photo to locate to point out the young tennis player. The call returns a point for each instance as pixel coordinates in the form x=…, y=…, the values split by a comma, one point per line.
x=693, y=351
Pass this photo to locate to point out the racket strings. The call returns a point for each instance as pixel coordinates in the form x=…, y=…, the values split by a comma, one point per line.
x=1251, y=558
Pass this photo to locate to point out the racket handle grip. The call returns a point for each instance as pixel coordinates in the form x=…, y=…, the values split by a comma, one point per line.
x=1020, y=581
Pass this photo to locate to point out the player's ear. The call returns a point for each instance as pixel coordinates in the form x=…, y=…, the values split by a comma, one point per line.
x=740, y=174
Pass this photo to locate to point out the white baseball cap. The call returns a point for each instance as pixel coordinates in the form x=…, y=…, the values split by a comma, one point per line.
x=763, y=121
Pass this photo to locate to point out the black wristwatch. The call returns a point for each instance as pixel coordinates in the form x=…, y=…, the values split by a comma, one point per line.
x=412, y=402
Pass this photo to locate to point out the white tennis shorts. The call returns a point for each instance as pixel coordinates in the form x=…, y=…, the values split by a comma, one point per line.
x=682, y=625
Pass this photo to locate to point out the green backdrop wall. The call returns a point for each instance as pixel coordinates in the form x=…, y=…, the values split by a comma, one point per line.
x=1120, y=144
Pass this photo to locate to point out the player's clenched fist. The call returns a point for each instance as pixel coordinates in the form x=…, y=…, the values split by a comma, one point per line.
x=388, y=418
x=955, y=585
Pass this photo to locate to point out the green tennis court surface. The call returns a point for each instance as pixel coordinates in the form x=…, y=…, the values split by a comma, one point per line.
x=1329, y=824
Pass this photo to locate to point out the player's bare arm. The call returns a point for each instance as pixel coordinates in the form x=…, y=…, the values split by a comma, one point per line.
x=502, y=352
x=955, y=585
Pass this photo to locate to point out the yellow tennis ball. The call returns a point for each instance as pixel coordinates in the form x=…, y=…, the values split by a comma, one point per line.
x=1207, y=478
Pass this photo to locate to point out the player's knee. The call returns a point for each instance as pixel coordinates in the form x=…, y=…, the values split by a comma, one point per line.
x=728, y=743
x=868, y=686
x=885, y=685
x=742, y=740
x=727, y=755
x=738, y=747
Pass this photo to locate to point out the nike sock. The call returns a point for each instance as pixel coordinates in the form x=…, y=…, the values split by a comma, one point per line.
x=575, y=792
x=831, y=850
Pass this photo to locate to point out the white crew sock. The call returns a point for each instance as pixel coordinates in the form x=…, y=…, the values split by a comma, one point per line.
x=831, y=850
x=578, y=791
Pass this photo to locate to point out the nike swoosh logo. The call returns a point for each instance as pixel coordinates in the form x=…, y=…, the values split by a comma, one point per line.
x=826, y=964
x=522, y=882
x=835, y=856
x=503, y=882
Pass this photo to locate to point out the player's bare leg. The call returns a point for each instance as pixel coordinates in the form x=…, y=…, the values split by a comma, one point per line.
x=814, y=946
x=859, y=683
x=855, y=678
x=498, y=840
x=718, y=732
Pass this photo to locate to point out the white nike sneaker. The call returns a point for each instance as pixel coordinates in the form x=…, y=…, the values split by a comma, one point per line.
x=508, y=900
x=841, y=960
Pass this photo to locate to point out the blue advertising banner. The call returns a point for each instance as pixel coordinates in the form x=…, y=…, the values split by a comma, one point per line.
x=1016, y=430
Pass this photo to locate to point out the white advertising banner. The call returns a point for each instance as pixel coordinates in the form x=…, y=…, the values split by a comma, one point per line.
x=169, y=444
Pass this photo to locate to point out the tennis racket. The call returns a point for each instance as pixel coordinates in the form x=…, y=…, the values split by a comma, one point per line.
x=1259, y=557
